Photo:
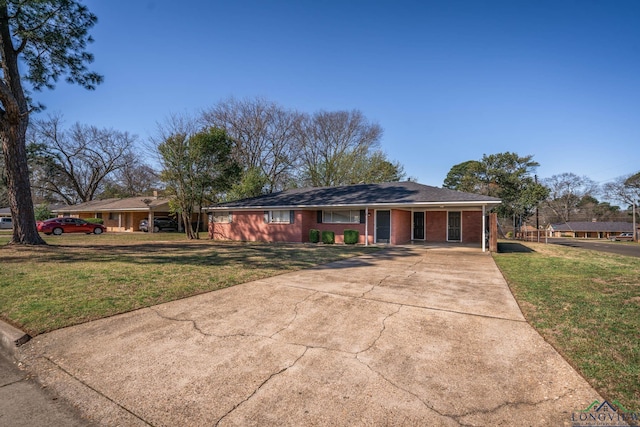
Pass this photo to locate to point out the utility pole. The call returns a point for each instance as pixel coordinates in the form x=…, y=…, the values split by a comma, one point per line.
x=635, y=230
x=537, y=217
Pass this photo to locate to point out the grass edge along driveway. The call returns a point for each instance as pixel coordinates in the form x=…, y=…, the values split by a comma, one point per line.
x=81, y=278
x=586, y=304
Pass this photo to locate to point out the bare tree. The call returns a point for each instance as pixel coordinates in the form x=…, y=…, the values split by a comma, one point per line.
x=625, y=189
x=264, y=135
x=48, y=39
x=135, y=178
x=566, y=192
x=332, y=142
x=80, y=159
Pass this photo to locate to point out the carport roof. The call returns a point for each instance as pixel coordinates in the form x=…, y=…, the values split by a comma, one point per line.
x=401, y=194
x=112, y=205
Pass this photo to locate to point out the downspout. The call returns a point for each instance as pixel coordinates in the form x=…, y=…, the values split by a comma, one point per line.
x=484, y=228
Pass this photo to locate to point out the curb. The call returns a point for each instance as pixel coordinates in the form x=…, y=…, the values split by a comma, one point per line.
x=11, y=338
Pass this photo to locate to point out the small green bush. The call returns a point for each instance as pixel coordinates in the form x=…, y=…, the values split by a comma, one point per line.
x=314, y=235
x=351, y=237
x=509, y=234
x=328, y=237
x=42, y=212
x=95, y=220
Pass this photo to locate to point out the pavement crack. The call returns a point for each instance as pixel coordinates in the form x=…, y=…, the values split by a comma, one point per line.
x=260, y=386
x=405, y=390
x=375, y=285
x=295, y=314
x=195, y=326
x=507, y=404
x=384, y=327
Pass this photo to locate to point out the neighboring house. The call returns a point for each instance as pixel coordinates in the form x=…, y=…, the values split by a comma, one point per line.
x=5, y=212
x=394, y=213
x=589, y=229
x=119, y=214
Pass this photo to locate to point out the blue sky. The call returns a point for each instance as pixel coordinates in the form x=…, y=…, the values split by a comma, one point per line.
x=448, y=81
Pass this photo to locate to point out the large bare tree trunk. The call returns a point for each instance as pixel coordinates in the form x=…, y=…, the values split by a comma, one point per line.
x=12, y=135
x=14, y=119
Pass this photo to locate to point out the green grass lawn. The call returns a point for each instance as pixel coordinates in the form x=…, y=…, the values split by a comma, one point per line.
x=78, y=278
x=587, y=305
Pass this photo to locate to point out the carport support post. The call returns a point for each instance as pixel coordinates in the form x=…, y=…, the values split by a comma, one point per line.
x=484, y=228
x=366, y=226
x=150, y=223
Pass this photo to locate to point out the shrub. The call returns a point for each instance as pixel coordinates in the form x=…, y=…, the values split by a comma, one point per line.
x=42, y=212
x=351, y=237
x=314, y=235
x=95, y=220
x=328, y=237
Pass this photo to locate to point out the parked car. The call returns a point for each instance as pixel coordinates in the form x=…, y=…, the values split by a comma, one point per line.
x=159, y=223
x=6, y=223
x=622, y=237
x=57, y=226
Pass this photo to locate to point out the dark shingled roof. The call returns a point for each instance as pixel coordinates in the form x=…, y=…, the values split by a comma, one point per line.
x=388, y=193
x=611, y=227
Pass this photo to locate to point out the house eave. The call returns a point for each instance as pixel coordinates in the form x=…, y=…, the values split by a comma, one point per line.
x=426, y=205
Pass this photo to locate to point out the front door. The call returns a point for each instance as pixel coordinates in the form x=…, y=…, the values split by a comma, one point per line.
x=383, y=226
x=453, y=228
x=418, y=225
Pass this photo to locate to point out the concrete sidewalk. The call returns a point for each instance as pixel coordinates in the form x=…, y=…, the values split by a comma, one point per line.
x=407, y=336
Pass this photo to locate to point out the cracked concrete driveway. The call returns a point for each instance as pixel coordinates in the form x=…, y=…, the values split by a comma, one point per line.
x=407, y=336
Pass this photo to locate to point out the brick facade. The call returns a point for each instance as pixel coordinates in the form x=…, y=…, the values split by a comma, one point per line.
x=251, y=226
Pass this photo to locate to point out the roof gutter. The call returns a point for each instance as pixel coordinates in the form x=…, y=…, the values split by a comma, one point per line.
x=486, y=203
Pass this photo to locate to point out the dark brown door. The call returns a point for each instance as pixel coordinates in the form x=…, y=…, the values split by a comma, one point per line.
x=454, y=223
x=418, y=225
x=383, y=226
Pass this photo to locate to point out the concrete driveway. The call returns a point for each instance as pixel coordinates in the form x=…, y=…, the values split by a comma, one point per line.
x=408, y=336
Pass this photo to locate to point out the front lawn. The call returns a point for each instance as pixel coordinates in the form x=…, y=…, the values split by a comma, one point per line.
x=587, y=305
x=85, y=277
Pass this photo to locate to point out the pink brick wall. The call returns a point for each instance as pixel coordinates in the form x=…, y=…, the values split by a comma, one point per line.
x=436, y=226
x=472, y=227
x=250, y=226
x=400, y=227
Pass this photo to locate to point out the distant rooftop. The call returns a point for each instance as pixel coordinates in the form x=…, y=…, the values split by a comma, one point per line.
x=613, y=227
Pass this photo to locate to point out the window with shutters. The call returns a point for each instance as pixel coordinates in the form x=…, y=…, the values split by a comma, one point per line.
x=341, y=217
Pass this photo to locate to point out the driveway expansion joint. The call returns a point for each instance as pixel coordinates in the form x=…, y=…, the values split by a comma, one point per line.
x=12, y=383
x=98, y=392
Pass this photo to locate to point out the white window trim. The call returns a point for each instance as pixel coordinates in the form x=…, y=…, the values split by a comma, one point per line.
x=280, y=221
x=226, y=215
